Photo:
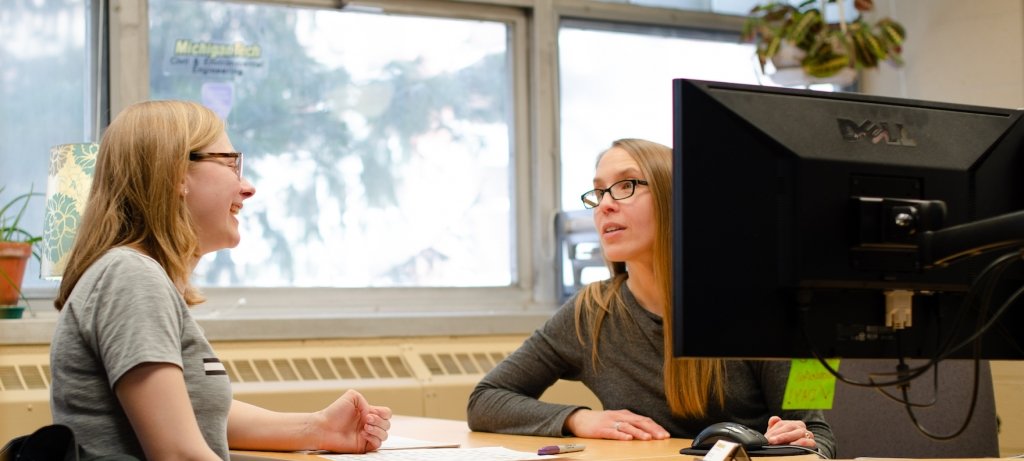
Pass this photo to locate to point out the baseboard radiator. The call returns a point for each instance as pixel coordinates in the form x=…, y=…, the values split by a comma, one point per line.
x=431, y=377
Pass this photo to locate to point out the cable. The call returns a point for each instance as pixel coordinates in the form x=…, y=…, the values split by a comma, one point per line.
x=787, y=447
x=901, y=368
x=997, y=267
x=986, y=290
x=979, y=297
x=999, y=312
x=970, y=410
x=910, y=376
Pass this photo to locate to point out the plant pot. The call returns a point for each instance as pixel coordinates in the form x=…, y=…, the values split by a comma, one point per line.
x=789, y=55
x=13, y=258
x=789, y=72
x=795, y=76
x=11, y=312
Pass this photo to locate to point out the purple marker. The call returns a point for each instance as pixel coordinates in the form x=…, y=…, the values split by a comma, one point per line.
x=556, y=449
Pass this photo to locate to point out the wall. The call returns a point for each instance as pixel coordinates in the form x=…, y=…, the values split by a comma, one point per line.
x=956, y=51
x=966, y=53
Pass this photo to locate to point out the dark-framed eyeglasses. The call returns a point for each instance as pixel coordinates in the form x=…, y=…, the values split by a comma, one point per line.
x=236, y=165
x=619, y=190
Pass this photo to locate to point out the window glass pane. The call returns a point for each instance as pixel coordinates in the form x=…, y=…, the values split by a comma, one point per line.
x=736, y=7
x=45, y=88
x=618, y=84
x=379, y=158
x=716, y=6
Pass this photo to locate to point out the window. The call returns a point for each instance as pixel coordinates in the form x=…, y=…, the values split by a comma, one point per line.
x=380, y=159
x=49, y=97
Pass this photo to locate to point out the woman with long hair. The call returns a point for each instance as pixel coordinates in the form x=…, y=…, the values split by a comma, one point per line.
x=133, y=373
x=615, y=336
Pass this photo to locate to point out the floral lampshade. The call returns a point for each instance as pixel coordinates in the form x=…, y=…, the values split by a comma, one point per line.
x=67, y=187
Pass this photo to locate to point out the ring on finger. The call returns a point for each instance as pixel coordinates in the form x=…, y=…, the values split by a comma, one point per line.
x=617, y=423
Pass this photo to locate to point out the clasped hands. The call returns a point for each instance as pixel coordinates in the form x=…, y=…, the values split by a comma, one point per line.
x=626, y=425
x=789, y=432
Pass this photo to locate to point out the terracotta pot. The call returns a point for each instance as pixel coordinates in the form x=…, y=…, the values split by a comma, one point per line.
x=13, y=257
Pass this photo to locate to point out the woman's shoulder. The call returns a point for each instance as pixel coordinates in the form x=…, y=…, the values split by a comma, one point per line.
x=121, y=284
x=596, y=290
x=126, y=258
x=597, y=299
x=124, y=266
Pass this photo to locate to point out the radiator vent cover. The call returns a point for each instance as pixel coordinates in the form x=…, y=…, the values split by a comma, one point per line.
x=258, y=365
x=24, y=377
x=461, y=363
x=432, y=377
x=244, y=370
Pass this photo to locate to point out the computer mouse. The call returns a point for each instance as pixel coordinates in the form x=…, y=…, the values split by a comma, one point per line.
x=731, y=432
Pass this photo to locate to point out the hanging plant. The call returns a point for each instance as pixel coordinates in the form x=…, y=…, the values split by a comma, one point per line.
x=820, y=48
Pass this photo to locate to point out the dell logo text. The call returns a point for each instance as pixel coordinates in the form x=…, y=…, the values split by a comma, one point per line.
x=890, y=133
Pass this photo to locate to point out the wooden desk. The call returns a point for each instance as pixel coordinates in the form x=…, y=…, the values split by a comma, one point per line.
x=444, y=430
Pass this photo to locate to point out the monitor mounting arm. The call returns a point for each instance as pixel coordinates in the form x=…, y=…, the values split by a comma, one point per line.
x=943, y=247
x=915, y=228
x=900, y=225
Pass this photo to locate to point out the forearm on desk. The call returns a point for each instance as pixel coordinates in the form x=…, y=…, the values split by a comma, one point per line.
x=506, y=412
x=254, y=428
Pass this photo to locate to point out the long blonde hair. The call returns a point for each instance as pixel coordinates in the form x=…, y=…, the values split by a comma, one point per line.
x=690, y=384
x=136, y=197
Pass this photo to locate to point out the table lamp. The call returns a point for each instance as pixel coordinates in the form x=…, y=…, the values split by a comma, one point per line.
x=67, y=187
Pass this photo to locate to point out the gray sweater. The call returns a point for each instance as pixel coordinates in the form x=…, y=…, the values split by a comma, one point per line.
x=629, y=376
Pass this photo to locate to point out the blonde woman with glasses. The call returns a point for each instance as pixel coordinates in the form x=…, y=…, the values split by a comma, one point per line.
x=614, y=334
x=132, y=372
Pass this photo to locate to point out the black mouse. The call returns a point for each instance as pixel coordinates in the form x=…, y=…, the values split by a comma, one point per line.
x=730, y=432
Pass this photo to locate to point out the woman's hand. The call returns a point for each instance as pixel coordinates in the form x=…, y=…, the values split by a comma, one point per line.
x=786, y=432
x=352, y=425
x=614, y=424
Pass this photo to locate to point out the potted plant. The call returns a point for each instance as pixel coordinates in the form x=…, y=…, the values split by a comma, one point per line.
x=800, y=36
x=16, y=246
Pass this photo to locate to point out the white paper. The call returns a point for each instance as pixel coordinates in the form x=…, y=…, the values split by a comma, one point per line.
x=395, y=442
x=442, y=454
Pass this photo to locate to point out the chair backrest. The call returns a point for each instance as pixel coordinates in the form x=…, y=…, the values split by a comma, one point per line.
x=869, y=424
x=578, y=246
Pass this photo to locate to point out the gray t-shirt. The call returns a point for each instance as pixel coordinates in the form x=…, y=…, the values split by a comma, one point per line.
x=629, y=376
x=124, y=312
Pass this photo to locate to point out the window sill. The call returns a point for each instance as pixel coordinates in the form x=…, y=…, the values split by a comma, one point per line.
x=316, y=325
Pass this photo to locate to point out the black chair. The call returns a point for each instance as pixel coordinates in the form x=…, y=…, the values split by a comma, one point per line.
x=55, y=442
x=49, y=443
x=869, y=424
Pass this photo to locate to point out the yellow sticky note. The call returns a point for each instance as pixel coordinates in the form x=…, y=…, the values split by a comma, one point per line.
x=810, y=386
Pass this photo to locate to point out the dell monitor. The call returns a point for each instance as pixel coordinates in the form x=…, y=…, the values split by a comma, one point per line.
x=813, y=224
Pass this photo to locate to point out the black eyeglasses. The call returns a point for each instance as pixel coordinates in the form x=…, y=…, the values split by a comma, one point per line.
x=237, y=165
x=619, y=190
